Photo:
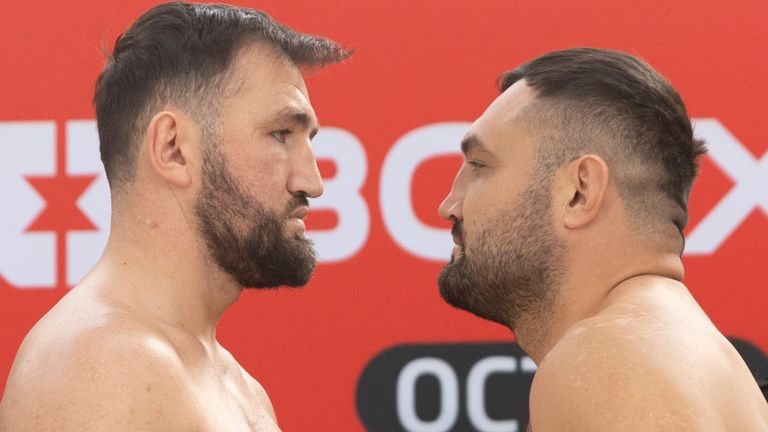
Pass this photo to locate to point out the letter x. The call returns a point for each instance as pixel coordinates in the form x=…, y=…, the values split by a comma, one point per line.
x=750, y=189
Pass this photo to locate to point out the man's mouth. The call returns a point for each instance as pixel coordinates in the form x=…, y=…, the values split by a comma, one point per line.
x=297, y=215
x=456, y=232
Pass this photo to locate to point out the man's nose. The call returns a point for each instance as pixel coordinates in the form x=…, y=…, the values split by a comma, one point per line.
x=305, y=175
x=452, y=205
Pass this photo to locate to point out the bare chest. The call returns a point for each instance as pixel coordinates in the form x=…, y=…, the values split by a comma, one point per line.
x=227, y=404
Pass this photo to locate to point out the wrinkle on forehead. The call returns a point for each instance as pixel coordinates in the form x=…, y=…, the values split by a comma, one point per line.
x=266, y=61
x=504, y=116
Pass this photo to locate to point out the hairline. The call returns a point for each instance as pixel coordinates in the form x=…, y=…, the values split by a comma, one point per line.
x=199, y=91
x=546, y=119
x=205, y=104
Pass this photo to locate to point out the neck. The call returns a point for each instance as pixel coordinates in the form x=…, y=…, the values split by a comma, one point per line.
x=160, y=269
x=584, y=293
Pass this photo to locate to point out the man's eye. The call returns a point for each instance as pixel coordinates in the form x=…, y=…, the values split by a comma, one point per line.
x=475, y=165
x=280, y=135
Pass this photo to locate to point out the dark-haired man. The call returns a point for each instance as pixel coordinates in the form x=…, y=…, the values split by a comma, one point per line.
x=568, y=216
x=205, y=127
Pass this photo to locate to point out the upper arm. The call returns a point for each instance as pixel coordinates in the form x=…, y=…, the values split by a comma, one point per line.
x=100, y=381
x=604, y=382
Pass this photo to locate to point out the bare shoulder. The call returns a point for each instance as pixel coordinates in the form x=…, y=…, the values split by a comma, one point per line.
x=111, y=373
x=598, y=379
x=643, y=367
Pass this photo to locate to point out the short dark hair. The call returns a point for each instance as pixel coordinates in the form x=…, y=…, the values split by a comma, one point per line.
x=615, y=104
x=181, y=52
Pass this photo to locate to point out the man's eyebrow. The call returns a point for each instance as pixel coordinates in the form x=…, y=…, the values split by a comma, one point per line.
x=472, y=142
x=299, y=117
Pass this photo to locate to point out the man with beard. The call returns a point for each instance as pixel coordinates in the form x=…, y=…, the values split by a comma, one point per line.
x=205, y=127
x=568, y=215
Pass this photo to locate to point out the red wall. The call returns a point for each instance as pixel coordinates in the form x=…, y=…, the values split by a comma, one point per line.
x=418, y=63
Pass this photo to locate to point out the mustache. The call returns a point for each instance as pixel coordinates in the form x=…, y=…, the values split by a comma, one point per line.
x=296, y=202
x=457, y=230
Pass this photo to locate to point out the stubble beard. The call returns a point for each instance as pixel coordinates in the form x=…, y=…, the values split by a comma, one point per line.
x=514, y=268
x=246, y=239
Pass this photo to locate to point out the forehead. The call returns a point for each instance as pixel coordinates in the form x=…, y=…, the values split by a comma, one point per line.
x=502, y=123
x=265, y=80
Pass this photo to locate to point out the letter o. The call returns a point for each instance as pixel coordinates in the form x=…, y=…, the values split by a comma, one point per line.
x=406, y=395
x=410, y=151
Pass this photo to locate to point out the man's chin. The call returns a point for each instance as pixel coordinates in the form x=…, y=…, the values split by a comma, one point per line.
x=451, y=282
x=291, y=231
x=457, y=289
x=291, y=263
x=297, y=279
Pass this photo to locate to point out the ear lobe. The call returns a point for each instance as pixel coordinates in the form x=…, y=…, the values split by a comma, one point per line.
x=166, y=152
x=588, y=178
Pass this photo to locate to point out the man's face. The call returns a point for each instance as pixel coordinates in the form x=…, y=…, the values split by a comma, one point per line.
x=257, y=174
x=507, y=259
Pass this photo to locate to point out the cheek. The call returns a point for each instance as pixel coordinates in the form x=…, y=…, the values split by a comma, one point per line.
x=479, y=214
x=262, y=178
x=265, y=182
x=259, y=166
x=481, y=202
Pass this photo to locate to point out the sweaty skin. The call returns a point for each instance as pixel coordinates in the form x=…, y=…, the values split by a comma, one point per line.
x=648, y=360
x=623, y=346
x=133, y=347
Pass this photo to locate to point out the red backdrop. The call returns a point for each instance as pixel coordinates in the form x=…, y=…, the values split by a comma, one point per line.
x=418, y=64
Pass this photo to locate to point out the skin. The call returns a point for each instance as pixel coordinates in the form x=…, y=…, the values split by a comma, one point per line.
x=133, y=347
x=624, y=345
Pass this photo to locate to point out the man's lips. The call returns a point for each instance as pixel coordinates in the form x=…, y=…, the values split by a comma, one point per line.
x=299, y=213
x=458, y=239
x=296, y=217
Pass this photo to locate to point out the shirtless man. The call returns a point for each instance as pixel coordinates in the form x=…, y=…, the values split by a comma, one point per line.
x=205, y=129
x=568, y=216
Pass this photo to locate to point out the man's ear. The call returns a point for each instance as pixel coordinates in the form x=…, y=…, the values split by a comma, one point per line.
x=167, y=153
x=586, y=183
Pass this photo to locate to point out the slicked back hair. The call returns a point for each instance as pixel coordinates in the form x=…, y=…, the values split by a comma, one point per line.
x=181, y=53
x=610, y=103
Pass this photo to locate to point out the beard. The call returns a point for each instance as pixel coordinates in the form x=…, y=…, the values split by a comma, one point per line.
x=246, y=239
x=510, y=271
